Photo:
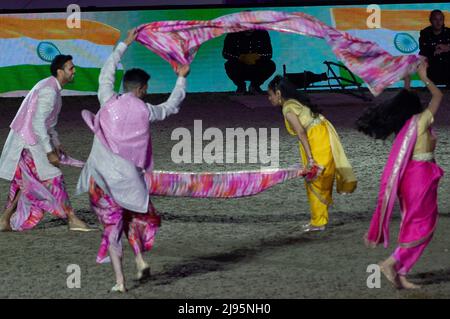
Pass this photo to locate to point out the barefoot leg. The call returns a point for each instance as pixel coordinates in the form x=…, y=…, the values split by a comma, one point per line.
x=75, y=223
x=116, y=261
x=142, y=267
x=387, y=267
x=5, y=219
x=407, y=284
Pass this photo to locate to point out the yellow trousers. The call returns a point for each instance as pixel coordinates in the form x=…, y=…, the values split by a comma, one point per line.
x=319, y=191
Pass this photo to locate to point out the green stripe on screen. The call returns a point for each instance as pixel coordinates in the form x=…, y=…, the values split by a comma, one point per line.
x=24, y=77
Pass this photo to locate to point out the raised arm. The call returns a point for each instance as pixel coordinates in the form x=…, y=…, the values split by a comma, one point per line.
x=172, y=105
x=436, y=94
x=108, y=72
x=407, y=82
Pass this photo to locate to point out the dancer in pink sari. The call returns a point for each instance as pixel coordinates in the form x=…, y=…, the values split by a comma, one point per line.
x=411, y=175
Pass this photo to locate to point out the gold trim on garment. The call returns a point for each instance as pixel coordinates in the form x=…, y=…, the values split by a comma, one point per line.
x=423, y=157
x=309, y=185
x=419, y=241
x=395, y=173
x=314, y=122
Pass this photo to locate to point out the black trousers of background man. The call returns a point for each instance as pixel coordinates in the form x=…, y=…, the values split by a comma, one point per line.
x=257, y=74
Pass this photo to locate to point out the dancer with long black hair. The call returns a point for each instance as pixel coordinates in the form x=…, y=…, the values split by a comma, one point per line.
x=411, y=175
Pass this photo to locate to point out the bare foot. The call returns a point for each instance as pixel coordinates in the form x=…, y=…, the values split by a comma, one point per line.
x=389, y=272
x=77, y=224
x=5, y=225
x=407, y=284
x=119, y=288
x=143, y=272
x=368, y=243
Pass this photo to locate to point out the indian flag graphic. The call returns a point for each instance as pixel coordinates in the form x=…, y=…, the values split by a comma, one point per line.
x=399, y=32
x=28, y=46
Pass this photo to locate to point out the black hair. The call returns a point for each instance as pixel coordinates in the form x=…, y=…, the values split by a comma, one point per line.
x=390, y=116
x=290, y=91
x=135, y=78
x=432, y=13
x=58, y=63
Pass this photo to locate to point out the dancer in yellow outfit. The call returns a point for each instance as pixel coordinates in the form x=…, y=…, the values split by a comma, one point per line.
x=318, y=144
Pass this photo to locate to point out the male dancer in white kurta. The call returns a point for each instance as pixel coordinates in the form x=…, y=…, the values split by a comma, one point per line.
x=114, y=174
x=31, y=156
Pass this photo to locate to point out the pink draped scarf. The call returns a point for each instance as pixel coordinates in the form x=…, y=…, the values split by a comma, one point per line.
x=22, y=122
x=178, y=41
x=397, y=162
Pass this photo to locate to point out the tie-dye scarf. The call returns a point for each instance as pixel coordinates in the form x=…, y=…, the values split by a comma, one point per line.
x=224, y=184
x=178, y=42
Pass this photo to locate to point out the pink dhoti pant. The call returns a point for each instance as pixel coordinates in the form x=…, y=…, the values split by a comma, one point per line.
x=37, y=196
x=139, y=228
x=417, y=193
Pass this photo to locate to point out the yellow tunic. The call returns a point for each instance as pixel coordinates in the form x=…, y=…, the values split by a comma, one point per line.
x=327, y=151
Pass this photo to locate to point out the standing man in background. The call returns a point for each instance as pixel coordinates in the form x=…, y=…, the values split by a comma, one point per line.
x=434, y=43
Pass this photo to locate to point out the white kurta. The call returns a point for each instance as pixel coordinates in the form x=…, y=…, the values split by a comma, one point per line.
x=47, y=140
x=119, y=178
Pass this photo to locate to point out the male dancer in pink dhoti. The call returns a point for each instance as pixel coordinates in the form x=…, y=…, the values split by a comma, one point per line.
x=114, y=174
x=31, y=156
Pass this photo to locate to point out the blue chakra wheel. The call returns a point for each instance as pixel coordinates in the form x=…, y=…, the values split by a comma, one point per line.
x=47, y=51
x=405, y=43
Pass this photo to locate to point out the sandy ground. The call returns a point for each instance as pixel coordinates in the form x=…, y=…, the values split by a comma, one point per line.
x=235, y=248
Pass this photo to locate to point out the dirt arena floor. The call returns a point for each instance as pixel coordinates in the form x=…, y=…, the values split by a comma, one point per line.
x=234, y=248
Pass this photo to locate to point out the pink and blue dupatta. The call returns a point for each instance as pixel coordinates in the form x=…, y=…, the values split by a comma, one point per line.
x=178, y=41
